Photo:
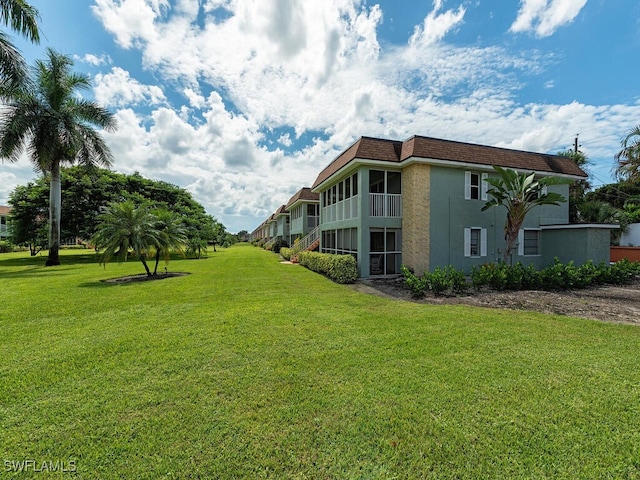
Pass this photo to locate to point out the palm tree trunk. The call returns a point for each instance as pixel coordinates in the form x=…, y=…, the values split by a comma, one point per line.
x=55, y=201
x=146, y=267
x=155, y=270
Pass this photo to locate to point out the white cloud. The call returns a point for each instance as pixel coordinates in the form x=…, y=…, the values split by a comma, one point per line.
x=95, y=60
x=436, y=26
x=118, y=89
x=544, y=17
x=317, y=68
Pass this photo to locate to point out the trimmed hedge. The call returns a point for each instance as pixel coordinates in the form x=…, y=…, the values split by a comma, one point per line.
x=500, y=276
x=339, y=268
x=286, y=253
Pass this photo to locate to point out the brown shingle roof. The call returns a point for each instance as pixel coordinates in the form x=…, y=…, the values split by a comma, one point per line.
x=424, y=147
x=281, y=211
x=304, y=194
x=393, y=151
x=5, y=210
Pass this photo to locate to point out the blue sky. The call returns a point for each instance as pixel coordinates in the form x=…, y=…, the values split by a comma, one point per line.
x=243, y=102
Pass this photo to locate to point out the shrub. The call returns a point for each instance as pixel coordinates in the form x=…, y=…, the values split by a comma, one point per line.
x=623, y=271
x=286, y=253
x=417, y=285
x=6, y=247
x=442, y=281
x=339, y=268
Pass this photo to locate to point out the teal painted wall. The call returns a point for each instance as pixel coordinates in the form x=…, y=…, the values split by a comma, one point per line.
x=576, y=244
x=451, y=213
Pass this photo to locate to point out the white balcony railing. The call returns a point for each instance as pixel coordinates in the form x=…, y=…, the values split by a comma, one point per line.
x=343, y=210
x=385, y=205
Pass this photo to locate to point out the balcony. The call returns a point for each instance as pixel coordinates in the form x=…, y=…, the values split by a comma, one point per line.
x=385, y=205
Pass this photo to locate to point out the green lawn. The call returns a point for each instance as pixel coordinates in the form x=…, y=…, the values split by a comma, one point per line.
x=249, y=368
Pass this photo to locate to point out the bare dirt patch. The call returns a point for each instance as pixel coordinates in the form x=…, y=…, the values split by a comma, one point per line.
x=619, y=304
x=143, y=277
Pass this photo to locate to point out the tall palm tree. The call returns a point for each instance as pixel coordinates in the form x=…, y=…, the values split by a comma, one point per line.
x=22, y=18
x=46, y=119
x=628, y=159
x=124, y=227
x=519, y=193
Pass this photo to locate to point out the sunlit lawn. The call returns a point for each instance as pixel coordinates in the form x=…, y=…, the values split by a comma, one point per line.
x=249, y=368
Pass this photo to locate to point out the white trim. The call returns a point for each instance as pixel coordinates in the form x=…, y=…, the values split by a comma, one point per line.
x=483, y=242
x=521, y=242
x=609, y=226
x=390, y=165
x=482, y=167
x=484, y=186
x=467, y=242
x=467, y=185
x=482, y=239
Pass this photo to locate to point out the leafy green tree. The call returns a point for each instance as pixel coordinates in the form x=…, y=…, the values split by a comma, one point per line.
x=48, y=121
x=597, y=211
x=616, y=194
x=519, y=193
x=125, y=227
x=86, y=191
x=29, y=217
x=628, y=158
x=23, y=19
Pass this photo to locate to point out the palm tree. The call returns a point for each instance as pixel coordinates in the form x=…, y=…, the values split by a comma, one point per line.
x=22, y=18
x=124, y=227
x=519, y=193
x=628, y=159
x=46, y=119
x=172, y=235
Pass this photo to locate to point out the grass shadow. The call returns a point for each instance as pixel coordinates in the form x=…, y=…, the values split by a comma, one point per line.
x=132, y=279
x=39, y=260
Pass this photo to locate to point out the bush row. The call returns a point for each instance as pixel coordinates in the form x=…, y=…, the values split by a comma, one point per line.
x=339, y=268
x=500, y=276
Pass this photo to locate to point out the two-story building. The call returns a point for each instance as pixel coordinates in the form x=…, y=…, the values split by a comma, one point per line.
x=304, y=211
x=419, y=203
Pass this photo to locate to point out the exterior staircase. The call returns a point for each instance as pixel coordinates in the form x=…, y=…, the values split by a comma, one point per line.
x=310, y=242
x=270, y=243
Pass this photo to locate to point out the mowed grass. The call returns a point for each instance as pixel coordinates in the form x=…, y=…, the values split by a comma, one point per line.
x=249, y=368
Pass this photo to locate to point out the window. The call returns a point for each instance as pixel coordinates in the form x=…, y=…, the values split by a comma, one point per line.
x=475, y=186
x=529, y=242
x=385, y=252
x=382, y=181
x=341, y=241
x=475, y=242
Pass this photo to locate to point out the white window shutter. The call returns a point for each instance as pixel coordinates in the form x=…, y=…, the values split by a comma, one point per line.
x=484, y=186
x=467, y=242
x=521, y=242
x=467, y=185
x=483, y=242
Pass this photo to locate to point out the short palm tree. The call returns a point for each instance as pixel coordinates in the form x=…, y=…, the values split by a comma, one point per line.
x=22, y=18
x=519, y=193
x=46, y=119
x=172, y=235
x=123, y=228
x=628, y=159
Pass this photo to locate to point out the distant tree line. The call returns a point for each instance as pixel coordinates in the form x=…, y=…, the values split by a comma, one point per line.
x=86, y=192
